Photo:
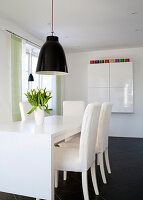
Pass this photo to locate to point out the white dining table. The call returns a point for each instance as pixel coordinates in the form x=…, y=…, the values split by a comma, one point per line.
x=27, y=154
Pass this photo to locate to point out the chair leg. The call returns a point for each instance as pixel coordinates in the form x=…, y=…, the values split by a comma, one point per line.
x=94, y=180
x=85, y=185
x=100, y=156
x=65, y=175
x=56, y=178
x=98, y=160
x=107, y=161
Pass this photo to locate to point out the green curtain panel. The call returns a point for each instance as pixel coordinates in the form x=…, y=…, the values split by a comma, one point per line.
x=58, y=94
x=16, y=76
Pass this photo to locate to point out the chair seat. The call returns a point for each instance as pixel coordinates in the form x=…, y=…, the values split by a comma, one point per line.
x=67, y=159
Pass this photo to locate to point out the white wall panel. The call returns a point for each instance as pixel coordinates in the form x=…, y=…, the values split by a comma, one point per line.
x=122, y=99
x=98, y=94
x=98, y=75
x=121, y=74
x=112, y=82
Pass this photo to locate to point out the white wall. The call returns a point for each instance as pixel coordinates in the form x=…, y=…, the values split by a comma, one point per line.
x=5, y=78
x=123, y=125
x=11, y=26
x=5, y=65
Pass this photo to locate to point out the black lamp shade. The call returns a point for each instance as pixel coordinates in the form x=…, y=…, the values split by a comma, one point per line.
x=30, y=78
x=52, y=59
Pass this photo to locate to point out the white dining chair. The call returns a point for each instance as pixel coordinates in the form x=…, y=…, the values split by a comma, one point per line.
x=102, y=139
x=25, y=107
x=75, y=109
x=82, y=158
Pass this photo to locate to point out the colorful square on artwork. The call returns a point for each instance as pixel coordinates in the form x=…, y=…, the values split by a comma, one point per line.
x=127, y=60
x=96, y=61
x=101, y=61
x=112, y=60
x=91, y=61
x=106, y=61
x=117, y=60
x=121, y=60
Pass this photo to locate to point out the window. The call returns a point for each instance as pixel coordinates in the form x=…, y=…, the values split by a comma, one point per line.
x=30, y=59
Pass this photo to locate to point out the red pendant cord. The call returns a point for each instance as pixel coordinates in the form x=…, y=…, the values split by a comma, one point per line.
x=52, y=19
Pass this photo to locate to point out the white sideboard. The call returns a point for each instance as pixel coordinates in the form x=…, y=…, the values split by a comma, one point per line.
x=112, y=82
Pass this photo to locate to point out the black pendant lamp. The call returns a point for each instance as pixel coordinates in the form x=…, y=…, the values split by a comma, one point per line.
x=30, y=78
x=52, y=59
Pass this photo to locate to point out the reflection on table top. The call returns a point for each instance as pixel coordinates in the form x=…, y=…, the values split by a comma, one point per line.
x=53, y=125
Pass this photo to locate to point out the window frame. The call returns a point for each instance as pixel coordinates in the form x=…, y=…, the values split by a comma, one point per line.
x=31, y=54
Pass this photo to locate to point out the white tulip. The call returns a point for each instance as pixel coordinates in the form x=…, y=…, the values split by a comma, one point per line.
x=42, y=91
x=47, y=93
x=37, y=91
x=31, y=93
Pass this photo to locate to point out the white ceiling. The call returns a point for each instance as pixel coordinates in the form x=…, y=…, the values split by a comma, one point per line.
x=80, y=24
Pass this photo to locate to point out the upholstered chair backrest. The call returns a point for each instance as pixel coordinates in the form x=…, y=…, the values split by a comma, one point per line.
x=103, y=127
x=88, y=135
x=73, y=108
x=25, y=107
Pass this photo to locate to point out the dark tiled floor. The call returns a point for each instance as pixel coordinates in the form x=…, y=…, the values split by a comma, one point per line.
x=125, y=182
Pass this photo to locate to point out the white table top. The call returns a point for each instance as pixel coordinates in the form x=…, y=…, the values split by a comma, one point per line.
x=53, y=126
x=27, y=154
